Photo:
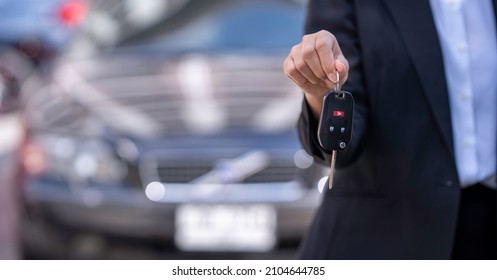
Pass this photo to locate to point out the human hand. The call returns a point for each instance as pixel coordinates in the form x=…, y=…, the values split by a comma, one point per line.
x=313, y=64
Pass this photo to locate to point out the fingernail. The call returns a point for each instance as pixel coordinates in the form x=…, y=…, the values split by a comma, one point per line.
x=333, y=77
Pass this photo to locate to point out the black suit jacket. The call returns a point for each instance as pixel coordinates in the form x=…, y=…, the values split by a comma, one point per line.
x=396, y=189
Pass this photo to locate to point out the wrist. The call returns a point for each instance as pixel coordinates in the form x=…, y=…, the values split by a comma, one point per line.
x=315, y=104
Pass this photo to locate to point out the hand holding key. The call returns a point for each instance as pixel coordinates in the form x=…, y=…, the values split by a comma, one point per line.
x=315, y=66
x=312, y=65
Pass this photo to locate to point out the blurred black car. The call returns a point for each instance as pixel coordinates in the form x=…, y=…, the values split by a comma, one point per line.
x=181, y=136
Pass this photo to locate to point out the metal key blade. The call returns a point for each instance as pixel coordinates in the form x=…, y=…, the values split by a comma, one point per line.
x=332, y=169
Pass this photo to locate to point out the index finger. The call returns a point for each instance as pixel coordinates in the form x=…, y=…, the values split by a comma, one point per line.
x=329, y=51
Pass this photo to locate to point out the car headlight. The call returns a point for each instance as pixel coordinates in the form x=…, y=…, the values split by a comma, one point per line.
x=72, y=160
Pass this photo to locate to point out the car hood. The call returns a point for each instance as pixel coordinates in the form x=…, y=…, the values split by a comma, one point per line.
x=154, y=96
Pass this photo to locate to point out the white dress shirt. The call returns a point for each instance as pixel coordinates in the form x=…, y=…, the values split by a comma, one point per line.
x=467, y=33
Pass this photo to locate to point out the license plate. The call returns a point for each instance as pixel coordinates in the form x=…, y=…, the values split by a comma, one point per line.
x=225, y=227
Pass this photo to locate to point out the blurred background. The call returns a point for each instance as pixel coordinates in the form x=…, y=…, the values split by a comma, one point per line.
x=151, y=129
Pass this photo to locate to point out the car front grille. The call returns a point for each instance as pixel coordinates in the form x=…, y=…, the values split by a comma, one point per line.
x=277, y=171
x=181, y=172
x=185, y=171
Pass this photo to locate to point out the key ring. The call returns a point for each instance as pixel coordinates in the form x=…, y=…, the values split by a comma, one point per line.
x=336, y=86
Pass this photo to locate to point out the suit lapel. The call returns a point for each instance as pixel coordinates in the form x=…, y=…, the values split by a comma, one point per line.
x=495, y=14
x=415, y=22
x=495, y=8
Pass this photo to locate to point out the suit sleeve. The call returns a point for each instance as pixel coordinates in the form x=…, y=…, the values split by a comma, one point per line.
x=338, y=17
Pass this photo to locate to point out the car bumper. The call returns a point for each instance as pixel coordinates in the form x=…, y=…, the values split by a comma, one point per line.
x=127, y=212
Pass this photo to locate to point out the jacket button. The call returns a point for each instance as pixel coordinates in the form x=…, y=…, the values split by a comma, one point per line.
x=449, y=183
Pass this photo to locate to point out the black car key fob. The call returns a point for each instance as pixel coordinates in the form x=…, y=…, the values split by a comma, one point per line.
x=335, y=124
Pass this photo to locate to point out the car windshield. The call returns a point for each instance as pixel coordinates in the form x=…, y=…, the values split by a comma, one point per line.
x=197, y=26
x=236, y=25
